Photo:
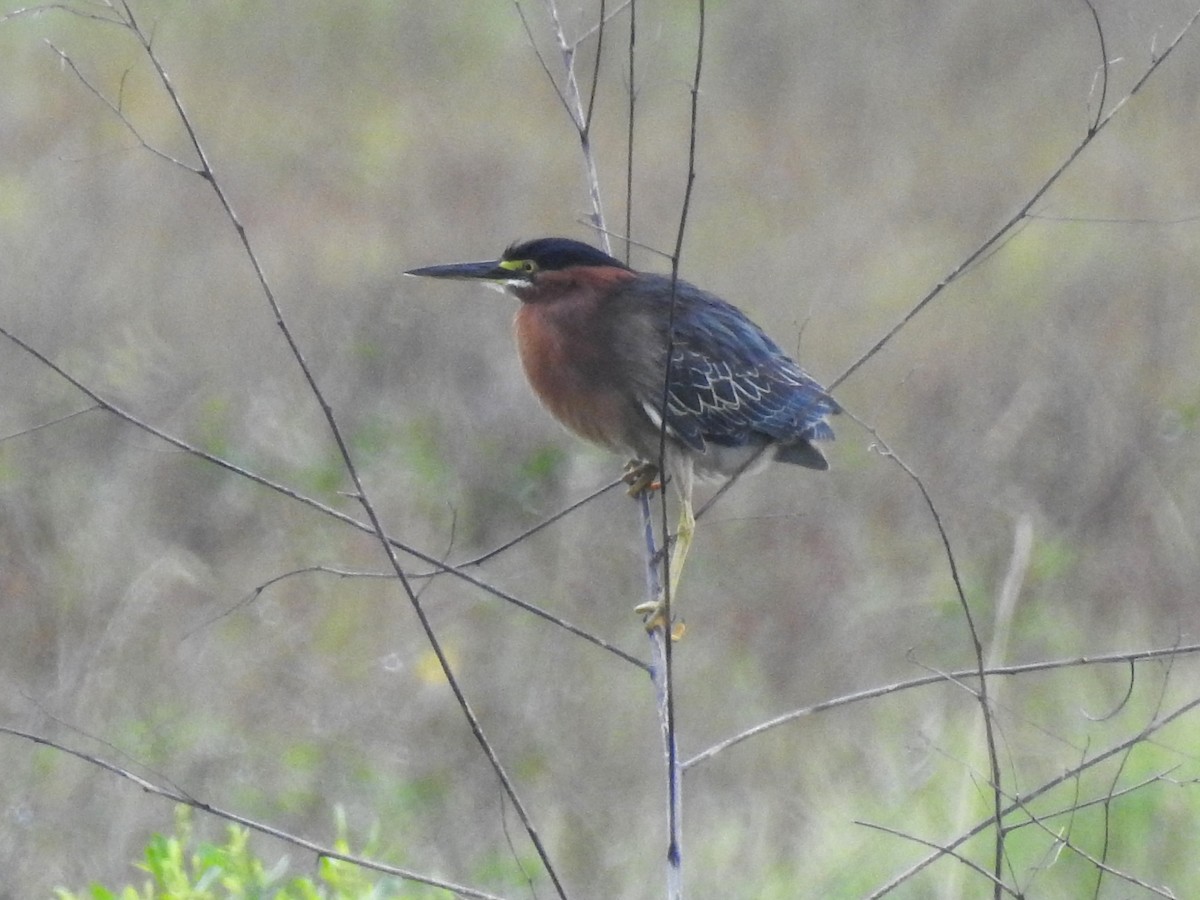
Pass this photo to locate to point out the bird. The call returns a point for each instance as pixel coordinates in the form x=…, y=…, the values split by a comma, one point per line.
x=595, y=336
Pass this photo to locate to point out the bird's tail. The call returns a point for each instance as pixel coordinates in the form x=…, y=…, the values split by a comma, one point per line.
x=802, y=453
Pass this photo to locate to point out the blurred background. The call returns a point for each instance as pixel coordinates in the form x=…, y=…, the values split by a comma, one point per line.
x=849, y=155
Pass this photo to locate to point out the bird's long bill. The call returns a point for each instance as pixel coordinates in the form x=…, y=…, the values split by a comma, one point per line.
x=468, y=271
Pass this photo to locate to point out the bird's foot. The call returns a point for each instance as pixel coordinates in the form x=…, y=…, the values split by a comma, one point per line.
x=654, y=617
x=641, y=476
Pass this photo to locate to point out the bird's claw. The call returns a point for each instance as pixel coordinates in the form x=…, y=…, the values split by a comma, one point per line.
x=654, y=617
x=641, y=476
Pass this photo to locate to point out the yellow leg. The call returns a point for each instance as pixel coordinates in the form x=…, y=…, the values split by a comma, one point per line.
x=683, y=543
x=686, y=528
x=654, y=613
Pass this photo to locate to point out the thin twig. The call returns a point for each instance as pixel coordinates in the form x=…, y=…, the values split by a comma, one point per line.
x=542, y=62
x=631, y=78
x=1120, y=704
x=605, y=18
x=1162, y=696
x=674, y=767
x=43, y=8
x=579, y=116
x=119, y=112
x=660, y=673
x=31, y=429
x=527, y=533
x=1103, y=63
x=1112, y=220
x=591, y=104
x=1077, y=805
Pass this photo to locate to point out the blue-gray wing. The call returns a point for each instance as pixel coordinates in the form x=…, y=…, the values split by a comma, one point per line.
x=733, y=386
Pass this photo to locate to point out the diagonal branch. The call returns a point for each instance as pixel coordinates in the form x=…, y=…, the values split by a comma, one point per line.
x=119, y=112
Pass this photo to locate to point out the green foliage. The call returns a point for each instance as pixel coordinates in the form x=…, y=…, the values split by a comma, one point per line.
x=181, y=868
x=544, y=463
x=213, y=421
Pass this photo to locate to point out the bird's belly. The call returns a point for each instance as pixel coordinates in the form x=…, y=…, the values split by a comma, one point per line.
x=717, y=462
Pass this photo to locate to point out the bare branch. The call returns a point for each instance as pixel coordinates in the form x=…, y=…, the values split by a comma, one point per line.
x=1120, y=705
x=573, y=101
x=667, y=705
x=32, y=12
x=116, y=109
x=1115, y=780
x=605, y=18
x=1103, y=62
x=50, y=424
x=542, y=62
x=1077, y=804
x=591, y=103
x=631, y=78
x=529, y=532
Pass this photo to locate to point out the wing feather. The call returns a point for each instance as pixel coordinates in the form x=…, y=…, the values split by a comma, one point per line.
x=731, y=385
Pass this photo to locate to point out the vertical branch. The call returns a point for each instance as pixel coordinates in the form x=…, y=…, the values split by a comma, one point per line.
x=660, y=639
x=581, y=116
x=660, y=673
x=591, y=104
x=632, y=75
x=674, y=783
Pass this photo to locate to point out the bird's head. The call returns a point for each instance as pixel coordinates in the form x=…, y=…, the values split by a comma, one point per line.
x=521, y=265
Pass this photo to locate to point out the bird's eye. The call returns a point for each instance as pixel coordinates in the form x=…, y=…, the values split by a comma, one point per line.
x=528, y=265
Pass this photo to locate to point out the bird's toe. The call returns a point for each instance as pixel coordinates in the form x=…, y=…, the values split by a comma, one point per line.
x=641, y=476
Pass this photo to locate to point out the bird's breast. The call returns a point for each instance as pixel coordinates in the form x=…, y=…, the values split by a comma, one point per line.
x=563, y=349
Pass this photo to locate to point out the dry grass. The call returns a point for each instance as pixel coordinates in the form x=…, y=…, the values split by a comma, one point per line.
x=849, y=157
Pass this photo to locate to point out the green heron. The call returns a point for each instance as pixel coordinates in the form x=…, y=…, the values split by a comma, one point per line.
x=593, y=338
